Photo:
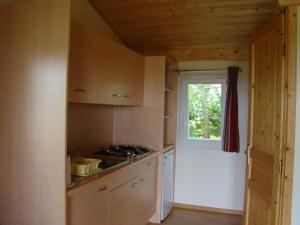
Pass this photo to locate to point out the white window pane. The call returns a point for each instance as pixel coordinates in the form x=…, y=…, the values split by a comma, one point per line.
x=205, y=111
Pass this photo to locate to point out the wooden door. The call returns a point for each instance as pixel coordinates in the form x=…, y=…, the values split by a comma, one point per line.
x=90, y=205
x=266, y=124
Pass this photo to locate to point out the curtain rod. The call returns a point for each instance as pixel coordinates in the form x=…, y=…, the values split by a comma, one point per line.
x=211, y=70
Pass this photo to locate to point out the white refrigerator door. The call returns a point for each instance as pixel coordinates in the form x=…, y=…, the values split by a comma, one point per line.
x=167, y=184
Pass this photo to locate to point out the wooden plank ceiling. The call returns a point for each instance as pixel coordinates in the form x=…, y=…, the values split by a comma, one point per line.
x=187, y=29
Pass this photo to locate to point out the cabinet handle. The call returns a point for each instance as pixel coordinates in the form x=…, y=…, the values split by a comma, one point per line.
x=80, y=90
x=142, y=179
x=116, y=95
x=126, y=96
x=102, y=189
x=135, y=184
x=149, y=164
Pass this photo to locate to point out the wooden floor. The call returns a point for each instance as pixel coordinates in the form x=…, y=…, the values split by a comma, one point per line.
x=189, y=217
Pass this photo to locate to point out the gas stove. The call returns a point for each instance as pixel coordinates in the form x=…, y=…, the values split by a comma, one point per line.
x=128, y=151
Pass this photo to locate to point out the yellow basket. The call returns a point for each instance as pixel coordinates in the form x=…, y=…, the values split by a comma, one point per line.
x=84, y=166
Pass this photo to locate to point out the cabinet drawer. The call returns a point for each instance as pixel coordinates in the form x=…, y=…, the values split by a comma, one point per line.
x=147, y=165
x=123, y=176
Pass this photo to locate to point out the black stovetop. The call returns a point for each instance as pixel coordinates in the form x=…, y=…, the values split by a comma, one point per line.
x=128, y=151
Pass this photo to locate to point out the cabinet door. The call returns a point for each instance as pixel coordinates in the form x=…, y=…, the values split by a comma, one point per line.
x=124, y=204
x=131, y=77
x=79, y=68
x=147, y=195
x=90, y=205
x=106, y=72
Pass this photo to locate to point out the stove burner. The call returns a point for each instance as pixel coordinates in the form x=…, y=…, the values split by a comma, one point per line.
x=129, y=151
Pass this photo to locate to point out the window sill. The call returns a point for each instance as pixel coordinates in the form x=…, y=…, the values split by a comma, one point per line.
x=199, y=147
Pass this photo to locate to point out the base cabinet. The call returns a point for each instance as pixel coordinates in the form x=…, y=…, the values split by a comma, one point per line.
x=90, y=205
x=125, y=198
x=134, y=202
x=124, y=203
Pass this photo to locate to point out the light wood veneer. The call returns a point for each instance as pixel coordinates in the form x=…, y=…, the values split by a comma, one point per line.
x=90, y=205
x=34, y=40
x=102, y=71
x=124, y=197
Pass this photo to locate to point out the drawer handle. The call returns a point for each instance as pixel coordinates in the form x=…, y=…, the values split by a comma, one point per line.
x=126, y=96
x=80, y=90
x=142, y=179
x=116, y=95
x=135, y=184
x=102, y=189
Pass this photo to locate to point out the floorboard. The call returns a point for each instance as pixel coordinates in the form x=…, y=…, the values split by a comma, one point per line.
x=190, y=217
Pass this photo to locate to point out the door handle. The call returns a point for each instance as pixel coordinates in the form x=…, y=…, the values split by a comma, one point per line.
x=248, y=153
x=80, y=90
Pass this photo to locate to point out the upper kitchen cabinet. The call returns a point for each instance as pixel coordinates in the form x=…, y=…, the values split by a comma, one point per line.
x=102, y=71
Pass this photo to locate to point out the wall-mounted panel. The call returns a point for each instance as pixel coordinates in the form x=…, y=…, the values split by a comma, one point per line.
x=34, y=55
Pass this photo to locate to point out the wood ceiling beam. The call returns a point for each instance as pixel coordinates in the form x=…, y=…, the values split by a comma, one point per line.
x=289, y=2
x=202, y=54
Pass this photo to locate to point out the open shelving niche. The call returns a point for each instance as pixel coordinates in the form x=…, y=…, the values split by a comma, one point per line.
x=170, y=104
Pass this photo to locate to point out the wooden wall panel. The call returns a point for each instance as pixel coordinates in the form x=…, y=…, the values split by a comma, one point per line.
x=89, y=127
x=34, y=55
x=289, y=2
x=289, y=150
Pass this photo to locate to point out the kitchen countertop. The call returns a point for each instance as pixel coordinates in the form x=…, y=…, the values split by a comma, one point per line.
x=103, y=173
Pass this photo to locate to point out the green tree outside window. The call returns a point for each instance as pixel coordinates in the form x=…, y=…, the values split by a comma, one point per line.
x=205, y=111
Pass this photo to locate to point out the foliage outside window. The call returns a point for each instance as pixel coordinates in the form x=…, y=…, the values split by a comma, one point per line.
x=205, y=111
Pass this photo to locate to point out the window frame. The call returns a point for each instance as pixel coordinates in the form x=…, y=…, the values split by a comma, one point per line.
x=207, y=77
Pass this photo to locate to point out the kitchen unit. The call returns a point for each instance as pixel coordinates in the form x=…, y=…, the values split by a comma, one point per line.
x=138, y=92
x=55, y=62
x=125, y=196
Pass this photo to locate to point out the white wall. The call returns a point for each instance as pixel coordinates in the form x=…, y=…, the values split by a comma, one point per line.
x=212, y=178
x=296, y=180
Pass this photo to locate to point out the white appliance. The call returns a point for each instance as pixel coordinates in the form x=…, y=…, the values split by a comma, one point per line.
x=167, y=183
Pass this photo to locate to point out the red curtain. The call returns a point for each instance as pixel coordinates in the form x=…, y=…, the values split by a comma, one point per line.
x=231, y=138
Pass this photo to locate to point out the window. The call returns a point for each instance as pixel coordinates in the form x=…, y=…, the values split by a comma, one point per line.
x=201, y=109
